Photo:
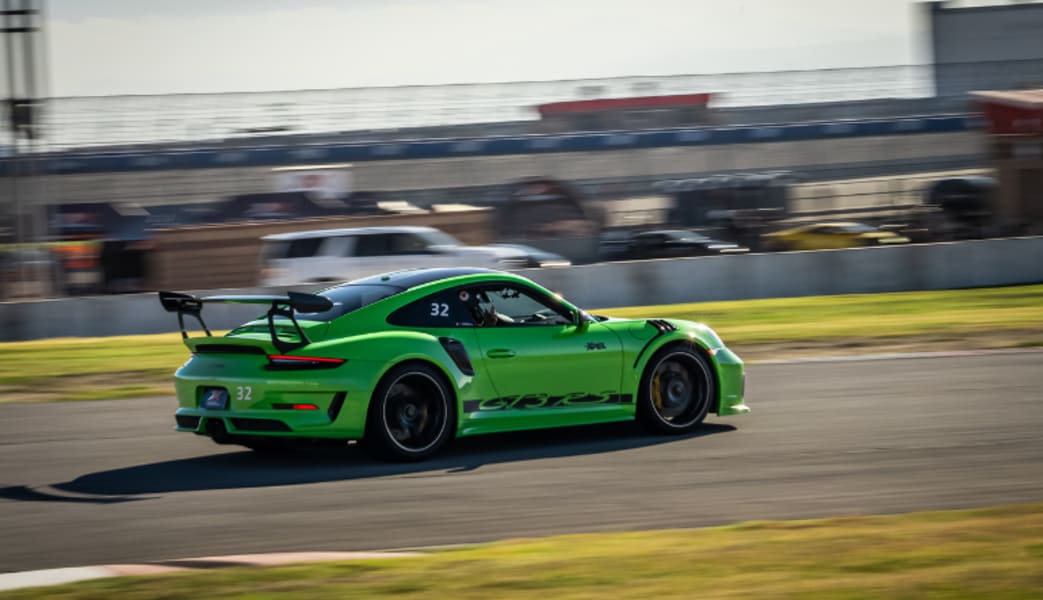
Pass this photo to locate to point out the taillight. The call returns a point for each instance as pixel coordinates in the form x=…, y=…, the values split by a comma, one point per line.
x=282, y=362
x=295, y=407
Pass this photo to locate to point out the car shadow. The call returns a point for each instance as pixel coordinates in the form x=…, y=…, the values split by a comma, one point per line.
x=246, y=469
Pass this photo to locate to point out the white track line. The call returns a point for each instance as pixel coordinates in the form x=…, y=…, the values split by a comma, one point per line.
x=893, y=356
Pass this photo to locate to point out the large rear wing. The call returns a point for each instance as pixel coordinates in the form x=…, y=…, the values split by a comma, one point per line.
x=279, y=306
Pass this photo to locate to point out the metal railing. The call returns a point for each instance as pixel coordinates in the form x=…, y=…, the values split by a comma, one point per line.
x=395, y=111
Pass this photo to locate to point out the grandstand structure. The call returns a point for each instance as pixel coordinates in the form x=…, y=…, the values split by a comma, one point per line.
x=609, y=137
x=435, y=144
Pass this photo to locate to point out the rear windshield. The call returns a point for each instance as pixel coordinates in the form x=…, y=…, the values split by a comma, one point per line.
x=348, y=298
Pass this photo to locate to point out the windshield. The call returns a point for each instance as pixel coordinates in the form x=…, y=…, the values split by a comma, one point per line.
x=686, y=236
x=348, y=298
x=857, y=228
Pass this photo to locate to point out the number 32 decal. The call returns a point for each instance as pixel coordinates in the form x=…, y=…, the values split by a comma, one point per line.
x=243, y=393
x=439, y=309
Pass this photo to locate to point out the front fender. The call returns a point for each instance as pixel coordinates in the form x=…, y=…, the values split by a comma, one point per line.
x=727, y=367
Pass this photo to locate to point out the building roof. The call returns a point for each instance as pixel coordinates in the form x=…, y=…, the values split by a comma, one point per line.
x=1012, y=112
x=1031, y=99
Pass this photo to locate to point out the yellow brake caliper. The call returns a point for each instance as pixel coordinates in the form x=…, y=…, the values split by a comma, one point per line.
x=657, y=395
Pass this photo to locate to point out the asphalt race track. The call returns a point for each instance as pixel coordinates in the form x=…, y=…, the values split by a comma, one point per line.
x=109, y=482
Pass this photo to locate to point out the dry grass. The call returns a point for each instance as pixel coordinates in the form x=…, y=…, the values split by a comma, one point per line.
x=990, y=553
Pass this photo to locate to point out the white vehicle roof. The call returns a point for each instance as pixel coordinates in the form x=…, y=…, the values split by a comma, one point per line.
x=346, y=231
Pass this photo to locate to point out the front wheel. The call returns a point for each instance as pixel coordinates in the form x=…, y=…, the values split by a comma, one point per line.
x=411, y=414
x=677, y=390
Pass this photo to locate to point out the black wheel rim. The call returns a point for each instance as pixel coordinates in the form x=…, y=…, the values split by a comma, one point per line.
x=679, y=389
x=415, y=412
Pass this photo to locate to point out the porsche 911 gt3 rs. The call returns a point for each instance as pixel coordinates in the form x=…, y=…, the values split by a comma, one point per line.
x=407, y=361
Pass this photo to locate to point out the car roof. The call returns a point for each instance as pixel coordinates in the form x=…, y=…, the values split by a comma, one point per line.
x=836, y=224
x=669, y=232
x=411, y=278
x=345, y=231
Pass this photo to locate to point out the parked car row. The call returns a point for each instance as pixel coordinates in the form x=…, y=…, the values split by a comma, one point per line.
x=333, y=255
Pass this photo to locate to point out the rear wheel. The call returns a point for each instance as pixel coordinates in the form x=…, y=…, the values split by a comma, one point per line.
x=677, y=390
x=411, y=414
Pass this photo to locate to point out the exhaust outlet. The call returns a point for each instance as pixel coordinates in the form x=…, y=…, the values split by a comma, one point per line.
x=215, y=428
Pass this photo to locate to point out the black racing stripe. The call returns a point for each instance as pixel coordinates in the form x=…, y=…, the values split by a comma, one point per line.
x=662, y=327
x=538, y=401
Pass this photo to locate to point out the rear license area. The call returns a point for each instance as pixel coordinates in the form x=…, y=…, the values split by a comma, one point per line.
x=214, y=398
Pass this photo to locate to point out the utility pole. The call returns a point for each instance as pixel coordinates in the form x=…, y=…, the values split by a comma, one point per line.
x=21, y=26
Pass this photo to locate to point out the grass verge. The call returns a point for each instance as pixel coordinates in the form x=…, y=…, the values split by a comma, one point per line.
x=1008, y=317
x=994, y=553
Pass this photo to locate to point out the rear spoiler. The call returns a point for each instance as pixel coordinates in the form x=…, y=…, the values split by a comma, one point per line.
x=280, y=306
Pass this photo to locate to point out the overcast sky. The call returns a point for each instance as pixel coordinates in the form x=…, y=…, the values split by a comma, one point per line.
x=101, y=47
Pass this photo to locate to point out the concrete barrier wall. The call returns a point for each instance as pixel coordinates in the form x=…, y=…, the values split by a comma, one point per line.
x=944, y=265
x=863, y=270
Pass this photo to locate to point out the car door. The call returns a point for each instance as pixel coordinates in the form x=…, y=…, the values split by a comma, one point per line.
x=547, y=368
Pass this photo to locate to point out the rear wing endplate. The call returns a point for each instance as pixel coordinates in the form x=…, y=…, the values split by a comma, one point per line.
x=279, y=306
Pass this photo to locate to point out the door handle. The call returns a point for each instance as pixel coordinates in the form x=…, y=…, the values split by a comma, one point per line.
x=500, y=353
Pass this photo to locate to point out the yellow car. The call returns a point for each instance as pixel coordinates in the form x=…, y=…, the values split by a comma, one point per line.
x=823, y=236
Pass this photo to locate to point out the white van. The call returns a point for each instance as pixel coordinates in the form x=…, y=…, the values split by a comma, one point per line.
x=331, y=255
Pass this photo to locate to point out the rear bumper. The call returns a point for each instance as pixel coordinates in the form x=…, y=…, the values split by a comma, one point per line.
x=325, y=404
x=321, y=422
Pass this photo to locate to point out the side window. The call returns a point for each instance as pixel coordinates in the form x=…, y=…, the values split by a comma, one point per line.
x=407, y=243
x=303, y=247
x=513, y=306
x=372, y=245
x=447, y=308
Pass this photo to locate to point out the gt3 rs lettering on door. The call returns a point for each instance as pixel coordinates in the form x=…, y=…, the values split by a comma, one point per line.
x=537, y=401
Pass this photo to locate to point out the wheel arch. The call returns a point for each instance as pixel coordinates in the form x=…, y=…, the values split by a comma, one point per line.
x=441, y=370
x=680, y=339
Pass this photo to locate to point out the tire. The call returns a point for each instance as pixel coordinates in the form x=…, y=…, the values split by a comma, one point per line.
x=677, y=390
x=412, y=414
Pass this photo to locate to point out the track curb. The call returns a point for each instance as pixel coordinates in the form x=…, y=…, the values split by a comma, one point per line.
x=48, y=577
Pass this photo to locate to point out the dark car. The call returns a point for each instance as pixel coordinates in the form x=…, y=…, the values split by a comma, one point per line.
x=670, y=243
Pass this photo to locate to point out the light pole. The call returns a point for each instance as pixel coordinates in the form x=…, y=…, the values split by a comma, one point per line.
x=20, y=28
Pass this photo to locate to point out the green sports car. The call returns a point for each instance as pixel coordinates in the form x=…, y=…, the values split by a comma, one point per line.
x=408, y=360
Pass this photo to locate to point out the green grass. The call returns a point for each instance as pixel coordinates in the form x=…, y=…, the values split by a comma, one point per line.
x=895, y=315
x=988, y=553
x=118, y=367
